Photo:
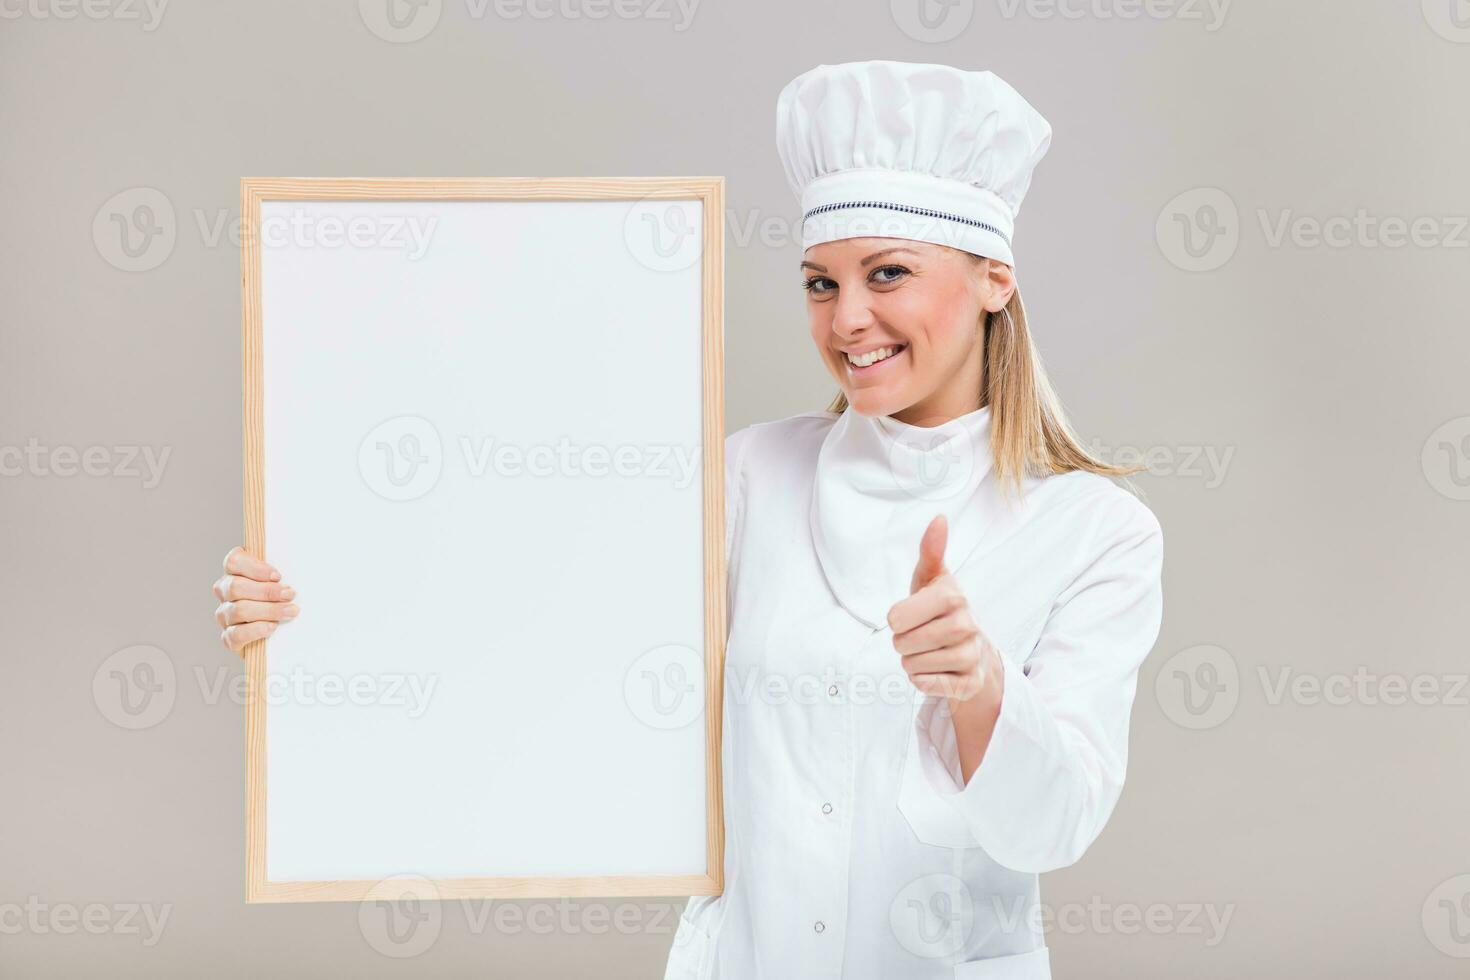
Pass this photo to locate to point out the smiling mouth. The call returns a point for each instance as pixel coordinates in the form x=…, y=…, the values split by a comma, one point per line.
x=859, y=363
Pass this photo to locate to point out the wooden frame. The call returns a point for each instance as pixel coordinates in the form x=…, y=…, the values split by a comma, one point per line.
x=710, y=192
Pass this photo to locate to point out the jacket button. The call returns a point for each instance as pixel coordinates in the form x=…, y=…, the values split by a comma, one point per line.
x=832, y=690
x=826, y=808
x=819, y=926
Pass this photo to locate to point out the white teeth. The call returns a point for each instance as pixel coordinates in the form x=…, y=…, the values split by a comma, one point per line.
x=873, y=356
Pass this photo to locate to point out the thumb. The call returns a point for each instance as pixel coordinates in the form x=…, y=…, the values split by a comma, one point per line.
x=931, y=554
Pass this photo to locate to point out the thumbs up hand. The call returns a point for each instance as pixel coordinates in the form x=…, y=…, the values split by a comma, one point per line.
x=944, y=651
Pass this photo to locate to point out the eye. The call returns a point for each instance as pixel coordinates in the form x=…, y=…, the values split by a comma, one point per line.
x=887, y=274
x=818, y=285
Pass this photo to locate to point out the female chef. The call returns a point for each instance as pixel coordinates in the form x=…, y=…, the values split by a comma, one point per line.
x=939, y=601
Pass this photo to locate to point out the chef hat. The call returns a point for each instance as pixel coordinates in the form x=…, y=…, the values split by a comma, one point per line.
x=898, y=150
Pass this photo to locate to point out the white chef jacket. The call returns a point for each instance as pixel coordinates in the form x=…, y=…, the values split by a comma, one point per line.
x=853, y=847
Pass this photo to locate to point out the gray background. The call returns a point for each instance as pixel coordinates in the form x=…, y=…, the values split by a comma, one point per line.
x=1326, y=380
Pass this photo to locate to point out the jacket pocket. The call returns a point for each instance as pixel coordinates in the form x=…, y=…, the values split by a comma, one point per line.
x=932, y=817
x=693, y=953
x=1035, y=965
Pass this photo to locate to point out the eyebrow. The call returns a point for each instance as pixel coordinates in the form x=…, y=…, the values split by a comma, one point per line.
x=864, y=262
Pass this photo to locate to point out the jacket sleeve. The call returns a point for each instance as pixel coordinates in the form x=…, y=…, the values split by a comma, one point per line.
x=1054, y=769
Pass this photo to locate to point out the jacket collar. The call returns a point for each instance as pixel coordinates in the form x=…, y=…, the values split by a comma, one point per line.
x=879, y=482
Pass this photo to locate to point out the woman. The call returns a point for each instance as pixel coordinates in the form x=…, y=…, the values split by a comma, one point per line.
x=939, y=601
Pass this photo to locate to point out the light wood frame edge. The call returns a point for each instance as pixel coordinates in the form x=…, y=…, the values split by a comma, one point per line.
x=710, y=191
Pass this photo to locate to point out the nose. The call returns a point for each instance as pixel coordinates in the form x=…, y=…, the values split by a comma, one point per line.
x=852, y=315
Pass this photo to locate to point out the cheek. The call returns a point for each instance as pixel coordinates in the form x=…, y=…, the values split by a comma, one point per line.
x=939, y=325
x=819, y=324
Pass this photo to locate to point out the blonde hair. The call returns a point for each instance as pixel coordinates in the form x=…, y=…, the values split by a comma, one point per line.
x=1029, y=434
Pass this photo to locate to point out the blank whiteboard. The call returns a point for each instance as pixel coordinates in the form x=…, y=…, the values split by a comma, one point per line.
x=483, y=440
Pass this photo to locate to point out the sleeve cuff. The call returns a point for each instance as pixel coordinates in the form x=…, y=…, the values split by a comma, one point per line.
x=939, y=748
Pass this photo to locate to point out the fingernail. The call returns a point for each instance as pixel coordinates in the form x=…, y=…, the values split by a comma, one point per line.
x=275, y=575
x=287, y=593
x=290, y=611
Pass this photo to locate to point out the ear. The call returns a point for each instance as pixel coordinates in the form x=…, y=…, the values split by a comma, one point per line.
x=998, y=285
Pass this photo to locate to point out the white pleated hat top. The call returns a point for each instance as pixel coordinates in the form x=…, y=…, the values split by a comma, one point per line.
x=902, y=150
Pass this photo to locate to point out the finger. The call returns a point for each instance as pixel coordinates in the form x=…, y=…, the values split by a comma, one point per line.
x=240, y=562
x=956, y=659
x=231, y=588
x=238, y=637
x=943, y=631
x=250, y=611
x=931, y=554
x=939, y=598
x=948, y=685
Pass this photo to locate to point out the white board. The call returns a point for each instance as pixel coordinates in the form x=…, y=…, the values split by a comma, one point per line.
x=487, y=430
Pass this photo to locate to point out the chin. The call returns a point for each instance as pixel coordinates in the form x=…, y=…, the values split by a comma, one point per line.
x=866, y=401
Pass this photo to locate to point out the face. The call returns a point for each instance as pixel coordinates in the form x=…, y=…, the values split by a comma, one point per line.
x=899, y=323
